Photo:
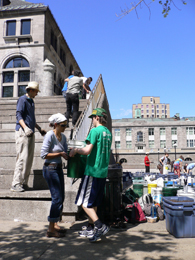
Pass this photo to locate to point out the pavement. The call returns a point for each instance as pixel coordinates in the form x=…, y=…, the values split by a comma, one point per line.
x=145, y=241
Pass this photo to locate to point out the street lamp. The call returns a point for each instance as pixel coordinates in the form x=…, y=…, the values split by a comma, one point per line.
x=175, y=146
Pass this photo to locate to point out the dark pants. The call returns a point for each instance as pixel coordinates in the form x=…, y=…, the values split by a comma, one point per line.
x=147, y=168
x=72, y=103
x=55, y=180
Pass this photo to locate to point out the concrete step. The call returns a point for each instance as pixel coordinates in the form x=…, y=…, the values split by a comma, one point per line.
x=34, y=205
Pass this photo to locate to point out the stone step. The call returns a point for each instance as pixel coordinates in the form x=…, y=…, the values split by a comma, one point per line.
x=35, y=203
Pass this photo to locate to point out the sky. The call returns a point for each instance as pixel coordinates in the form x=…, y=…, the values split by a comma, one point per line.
x=148, y=55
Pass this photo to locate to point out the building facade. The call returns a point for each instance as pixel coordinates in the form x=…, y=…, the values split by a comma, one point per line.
x=151, y=108
x=32, y=48
x=132, y=138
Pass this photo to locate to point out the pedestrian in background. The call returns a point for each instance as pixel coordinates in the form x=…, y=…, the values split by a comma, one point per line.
x=91, y=189
x=147, y=162
x=72, y=97
x=25, y=138
x=178, y=165
x=54, y=148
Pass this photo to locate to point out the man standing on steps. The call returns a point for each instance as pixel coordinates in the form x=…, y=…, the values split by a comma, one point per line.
x=91, y=189
x=24, y=136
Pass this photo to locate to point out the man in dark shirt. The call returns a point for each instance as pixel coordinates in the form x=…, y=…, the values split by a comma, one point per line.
x=24, y=135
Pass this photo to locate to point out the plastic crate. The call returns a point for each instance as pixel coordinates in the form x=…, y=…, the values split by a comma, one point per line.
x=180, y=216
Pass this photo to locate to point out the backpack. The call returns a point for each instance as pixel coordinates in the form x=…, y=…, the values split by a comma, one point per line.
x=133, y=213
x=145, y=199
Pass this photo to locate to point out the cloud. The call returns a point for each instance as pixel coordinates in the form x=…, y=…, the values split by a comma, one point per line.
x=124, y=113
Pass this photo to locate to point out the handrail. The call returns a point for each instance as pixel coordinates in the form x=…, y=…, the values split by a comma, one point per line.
x=83, y=124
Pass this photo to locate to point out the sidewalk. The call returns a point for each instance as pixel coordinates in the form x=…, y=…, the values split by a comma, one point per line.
x=27, y=240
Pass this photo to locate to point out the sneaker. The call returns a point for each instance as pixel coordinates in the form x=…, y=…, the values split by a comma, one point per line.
x=99, y=232
x=86, y=233
x=17, y=188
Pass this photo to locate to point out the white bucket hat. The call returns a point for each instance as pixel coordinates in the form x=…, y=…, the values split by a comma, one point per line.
x=33, y=85
x=57, y=118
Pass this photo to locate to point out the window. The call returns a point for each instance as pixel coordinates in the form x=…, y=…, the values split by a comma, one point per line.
x=128, y=144
x=157, y=111
x=24, y=76
x=157, y=116
x=162, y=143
x=150, y=131
x=151, y=100
x=142, y=111
x=53, y=40
x=139, y=136
x=117, y=144
x=18, y=65
x=11, y=28
x=190, y=143
x=25, y=26
x=147, y=106
x=152, y=106
x=21, y=90
x=8, y=91
x=62, y=56
x=162, y=106
x=147, y=115
x=162, y=111
x=117, y=132
x=152, y=111
x=142, y=106
x=147, y=111
x=190, y=130
x=128, y=132
x=151, y=143
x=157, y=106
x=162, y=131
x=8, y=76
x=174, y=131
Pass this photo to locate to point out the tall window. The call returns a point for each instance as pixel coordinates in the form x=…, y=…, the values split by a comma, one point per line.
x=162, y=143
x=128, y=132
x=139, y=136
x=15, y=67
x=117, y=132
x=190, y=143
x=150, y=131
x=117, y=144
x=53, y=40
x=128, y=144
x=62, y=56
x=162, y=131
x=151, y=143
x=25, y=26
x=174, y=131
x=11, y=28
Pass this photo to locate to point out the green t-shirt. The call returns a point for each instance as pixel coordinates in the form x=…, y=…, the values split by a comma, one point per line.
x=98, y=160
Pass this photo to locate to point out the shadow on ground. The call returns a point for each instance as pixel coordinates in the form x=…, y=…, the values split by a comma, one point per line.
x=25, y=242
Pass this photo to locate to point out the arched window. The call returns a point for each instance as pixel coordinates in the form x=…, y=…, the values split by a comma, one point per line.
x=139, y=136
x=16, y=74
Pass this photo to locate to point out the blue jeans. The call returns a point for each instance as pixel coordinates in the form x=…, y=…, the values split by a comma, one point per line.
x=55, y=180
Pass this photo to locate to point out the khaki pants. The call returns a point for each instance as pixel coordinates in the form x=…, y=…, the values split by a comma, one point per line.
x=24, y=157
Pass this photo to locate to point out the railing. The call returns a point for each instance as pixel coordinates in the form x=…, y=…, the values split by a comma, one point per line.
x=83, y=124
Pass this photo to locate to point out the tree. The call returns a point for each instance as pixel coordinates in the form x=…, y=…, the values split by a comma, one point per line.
x=166, y=7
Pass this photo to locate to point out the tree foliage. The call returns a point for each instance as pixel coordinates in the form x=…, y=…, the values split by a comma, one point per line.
x=166, y=6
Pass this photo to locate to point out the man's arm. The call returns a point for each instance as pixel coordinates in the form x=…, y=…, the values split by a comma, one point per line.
x=41, y=131
x=83, y=151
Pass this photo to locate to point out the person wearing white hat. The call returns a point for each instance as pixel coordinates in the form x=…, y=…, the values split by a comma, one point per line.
x=24, y=136
x=54, y=148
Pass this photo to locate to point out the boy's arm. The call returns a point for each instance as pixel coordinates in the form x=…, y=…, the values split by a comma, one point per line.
x=83, y=151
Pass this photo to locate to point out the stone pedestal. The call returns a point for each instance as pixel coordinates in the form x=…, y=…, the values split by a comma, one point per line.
x=47, y=86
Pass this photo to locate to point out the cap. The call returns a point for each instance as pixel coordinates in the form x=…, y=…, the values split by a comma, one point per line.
x=57, y=118
x=147, y=152
x=33, y=85
x=98, y=112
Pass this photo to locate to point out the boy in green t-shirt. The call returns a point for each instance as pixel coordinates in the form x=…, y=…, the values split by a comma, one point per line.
x=91, y=189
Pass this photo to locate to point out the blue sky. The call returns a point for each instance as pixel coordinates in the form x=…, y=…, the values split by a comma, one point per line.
x=149, y=56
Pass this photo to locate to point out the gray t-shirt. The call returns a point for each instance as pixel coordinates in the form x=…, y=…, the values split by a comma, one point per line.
x=74, y=85
x=52, y=145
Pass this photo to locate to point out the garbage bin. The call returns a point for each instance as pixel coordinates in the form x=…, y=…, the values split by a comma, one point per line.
x=76, y=165
x=110, y=209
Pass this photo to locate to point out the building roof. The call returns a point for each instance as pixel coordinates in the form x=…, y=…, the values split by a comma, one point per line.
x=20, y=5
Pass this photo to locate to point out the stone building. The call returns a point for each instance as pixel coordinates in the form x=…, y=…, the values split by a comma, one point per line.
x=151, y=108
x=32, y=48
x=132, y=138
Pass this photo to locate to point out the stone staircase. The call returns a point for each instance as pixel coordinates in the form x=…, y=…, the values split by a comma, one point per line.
x=32, y=205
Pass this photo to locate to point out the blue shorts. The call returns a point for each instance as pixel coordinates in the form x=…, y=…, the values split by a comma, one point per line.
x=91, y=191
